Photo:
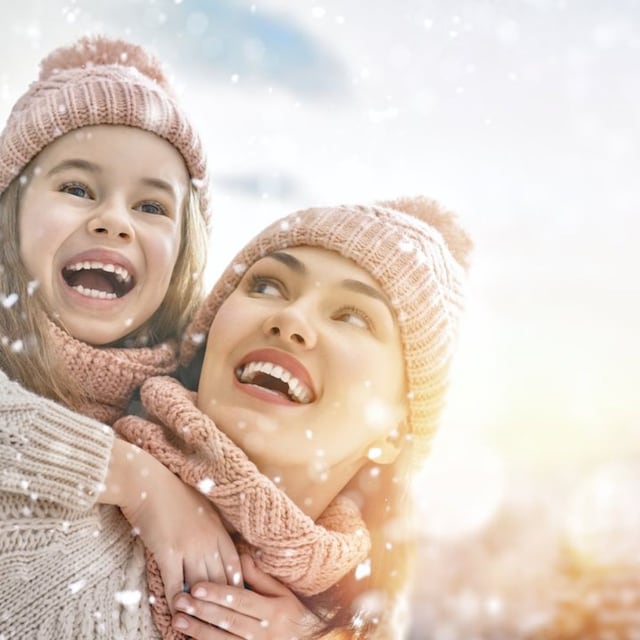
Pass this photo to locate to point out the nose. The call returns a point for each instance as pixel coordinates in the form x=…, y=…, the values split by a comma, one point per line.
x=291, y=325
x=112, y=221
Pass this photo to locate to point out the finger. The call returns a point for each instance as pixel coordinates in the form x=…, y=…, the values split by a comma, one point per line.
x=196, y=617
x=215, y=568
x=172, y=578
x=195, y=570
x=260, y=581
x=238, y=599
x=198, y=630
x=231, y=559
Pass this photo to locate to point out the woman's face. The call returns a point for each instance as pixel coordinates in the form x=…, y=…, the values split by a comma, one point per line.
x=303, y=365
x=100, y=228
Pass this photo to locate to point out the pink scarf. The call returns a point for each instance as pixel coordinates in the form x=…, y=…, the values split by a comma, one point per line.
x=110, y=376
x=307, y=556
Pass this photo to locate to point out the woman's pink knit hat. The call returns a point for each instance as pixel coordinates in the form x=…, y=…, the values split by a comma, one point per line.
x=418, y=254
x=98, y=81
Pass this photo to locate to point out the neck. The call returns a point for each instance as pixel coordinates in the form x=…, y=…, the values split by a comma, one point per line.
x=313, y=494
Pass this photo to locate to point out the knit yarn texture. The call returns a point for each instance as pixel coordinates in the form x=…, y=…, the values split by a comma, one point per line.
x=99, y=81
x=71, y=568
x=415, y=250
x=307, y=556
x=109, y=376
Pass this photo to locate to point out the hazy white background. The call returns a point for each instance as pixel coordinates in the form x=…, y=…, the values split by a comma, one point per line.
x=523, y=117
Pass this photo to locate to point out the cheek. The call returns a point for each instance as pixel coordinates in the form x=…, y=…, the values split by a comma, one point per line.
x=368, y=363
x=163, y=253
x=372, y=387
x=225, y=325
x=29, y=224
x=37, y=241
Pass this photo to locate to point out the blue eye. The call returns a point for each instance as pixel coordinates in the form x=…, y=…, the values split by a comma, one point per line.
x=154, y=208
x=76, y=189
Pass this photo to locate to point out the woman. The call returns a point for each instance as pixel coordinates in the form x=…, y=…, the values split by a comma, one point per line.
x=329, y=340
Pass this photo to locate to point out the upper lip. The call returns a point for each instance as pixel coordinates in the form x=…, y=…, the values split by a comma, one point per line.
x=109, y=261
x=284, y=360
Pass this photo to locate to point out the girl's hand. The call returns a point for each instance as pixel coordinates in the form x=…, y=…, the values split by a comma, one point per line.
x=217, y=612
x=177, y=524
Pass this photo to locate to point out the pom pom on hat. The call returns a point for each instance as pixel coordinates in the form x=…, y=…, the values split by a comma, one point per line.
x=90, y=52
x=99, y=81
x=416, y=251
x=429, y=211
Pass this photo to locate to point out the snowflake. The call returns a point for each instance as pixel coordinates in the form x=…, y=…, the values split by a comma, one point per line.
x=128, y=598
x=78, y=585
x=17, y=346
x=239, y=268
x=205, y=485
x=363, y=570
x=10, y=300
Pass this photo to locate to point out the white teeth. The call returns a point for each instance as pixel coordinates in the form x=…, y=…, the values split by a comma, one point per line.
x=121, y=273
x=298, y=391
x=94, y=293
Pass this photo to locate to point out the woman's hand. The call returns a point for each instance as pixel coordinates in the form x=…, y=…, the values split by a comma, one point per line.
x=176, y=523
x=269, y=612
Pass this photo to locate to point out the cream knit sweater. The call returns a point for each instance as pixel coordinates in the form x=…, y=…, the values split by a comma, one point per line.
x=69, y=567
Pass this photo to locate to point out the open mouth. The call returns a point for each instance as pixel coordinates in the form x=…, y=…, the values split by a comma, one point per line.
x=98, y=279
x=275, y=378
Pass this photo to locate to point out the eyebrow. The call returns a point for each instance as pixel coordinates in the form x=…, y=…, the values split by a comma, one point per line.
x=86, y=165
x=352, y=285
x=360, y=287
x=74, y=163
x=290, y=261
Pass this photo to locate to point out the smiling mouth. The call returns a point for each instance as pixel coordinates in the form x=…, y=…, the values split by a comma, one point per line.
x=275, y=378
x=101, y=280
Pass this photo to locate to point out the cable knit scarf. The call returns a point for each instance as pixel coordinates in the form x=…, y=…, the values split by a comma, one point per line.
x=110, y=376
x=308, y=557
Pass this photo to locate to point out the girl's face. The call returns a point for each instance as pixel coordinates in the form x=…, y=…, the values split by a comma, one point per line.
x=304, y=364
x=100, y=227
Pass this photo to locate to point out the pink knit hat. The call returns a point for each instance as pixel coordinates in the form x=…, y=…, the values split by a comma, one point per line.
x=98, y=81
x=415, y=250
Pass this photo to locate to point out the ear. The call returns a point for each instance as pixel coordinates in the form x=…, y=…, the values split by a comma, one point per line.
x=387, y=449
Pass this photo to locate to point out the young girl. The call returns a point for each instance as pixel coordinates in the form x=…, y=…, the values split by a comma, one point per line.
x=329, y=340
x=103, y=205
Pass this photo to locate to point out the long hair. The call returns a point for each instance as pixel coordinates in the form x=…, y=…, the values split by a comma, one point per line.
x=26, y=353
x=369, y=602
x=28, y=356
x=186, y=288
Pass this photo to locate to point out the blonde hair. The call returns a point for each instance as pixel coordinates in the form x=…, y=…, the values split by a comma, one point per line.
x=27, y=354
x=373, y=607
x=185, y=292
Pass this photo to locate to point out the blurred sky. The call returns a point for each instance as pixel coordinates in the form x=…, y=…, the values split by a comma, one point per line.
x=521, y=116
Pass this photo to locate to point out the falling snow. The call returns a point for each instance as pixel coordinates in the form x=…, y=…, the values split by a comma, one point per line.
x=129, y=598
x=205, y=485
x=78, y=585
x=9, y=300
x=474, y=96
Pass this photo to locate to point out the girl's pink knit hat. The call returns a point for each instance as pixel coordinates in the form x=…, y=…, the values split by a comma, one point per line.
x=98, y=81
x=418, y=254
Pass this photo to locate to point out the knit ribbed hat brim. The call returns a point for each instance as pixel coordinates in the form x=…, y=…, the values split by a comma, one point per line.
x=418, y=257
x=99, y=81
